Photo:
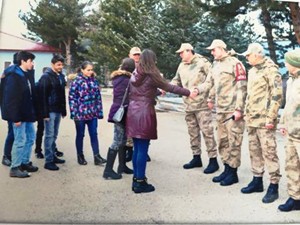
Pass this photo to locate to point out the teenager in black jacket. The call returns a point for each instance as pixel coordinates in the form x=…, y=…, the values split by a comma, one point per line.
x=52, y=101
x=18, y=107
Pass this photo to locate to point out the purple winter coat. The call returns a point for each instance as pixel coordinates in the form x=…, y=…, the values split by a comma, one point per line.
x=120, y=79
x=141, y=117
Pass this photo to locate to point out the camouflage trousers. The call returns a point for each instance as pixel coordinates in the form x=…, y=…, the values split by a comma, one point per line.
x=262, y=147
x=201, y=121
x=230, y=138
x=292, y=168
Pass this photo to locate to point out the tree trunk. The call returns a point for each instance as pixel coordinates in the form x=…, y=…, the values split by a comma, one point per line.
x=266, y=20
x=295, y=15
x=68, y=54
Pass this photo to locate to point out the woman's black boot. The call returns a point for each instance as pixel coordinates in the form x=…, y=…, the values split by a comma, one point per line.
x=109, y=173
x=81, y=160
x=129, y=152
x=122, y=162
x=142, y=186
x=98, y=160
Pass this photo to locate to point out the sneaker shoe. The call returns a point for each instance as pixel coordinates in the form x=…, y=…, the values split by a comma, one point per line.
x=29, y=167
x=6, y=161
x=58, y=153
x=51, y=166
x=58, y=161
x=39, y=155
x=17, y=172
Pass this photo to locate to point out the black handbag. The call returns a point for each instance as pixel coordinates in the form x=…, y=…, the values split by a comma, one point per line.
x=120, y=112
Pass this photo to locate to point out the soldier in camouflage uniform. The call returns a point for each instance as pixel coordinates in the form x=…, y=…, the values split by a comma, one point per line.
x=261, y=111
x=290, y=126
x=228, y=84
x=191, y=72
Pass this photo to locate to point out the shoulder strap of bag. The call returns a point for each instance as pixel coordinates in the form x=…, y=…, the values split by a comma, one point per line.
x=125, y=94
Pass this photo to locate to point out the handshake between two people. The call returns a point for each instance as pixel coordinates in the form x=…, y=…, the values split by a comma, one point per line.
x=193, y=92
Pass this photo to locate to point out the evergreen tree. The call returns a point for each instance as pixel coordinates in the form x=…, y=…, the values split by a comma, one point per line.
x=55, y=22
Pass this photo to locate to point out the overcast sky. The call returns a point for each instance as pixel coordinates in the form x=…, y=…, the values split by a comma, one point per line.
x=10, y=21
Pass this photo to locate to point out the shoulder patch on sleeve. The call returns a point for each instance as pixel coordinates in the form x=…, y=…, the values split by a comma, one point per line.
x=240, y=72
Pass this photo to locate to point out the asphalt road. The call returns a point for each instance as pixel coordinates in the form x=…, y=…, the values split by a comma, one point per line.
x=79, y=194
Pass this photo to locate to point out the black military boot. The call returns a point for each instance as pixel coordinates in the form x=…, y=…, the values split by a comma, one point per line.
x=256, y=185
x=109, y=173
x=98, y=160
x=212, y=167
x=122, y=162
x=195, y=162
x=219, y=178
x=291, y=204
x=272, y=194
x=142, y=186
x=129, y=152
x=231, y=177
x=81, y=160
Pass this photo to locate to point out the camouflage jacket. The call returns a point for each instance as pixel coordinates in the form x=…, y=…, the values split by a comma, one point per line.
x=190, y=75
x=264, y=94
x=290, y=118
x=227, y=78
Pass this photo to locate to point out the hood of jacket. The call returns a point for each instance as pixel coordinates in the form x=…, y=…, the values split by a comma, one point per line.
x=13, y=69
x=119, y=73
x=49, y=71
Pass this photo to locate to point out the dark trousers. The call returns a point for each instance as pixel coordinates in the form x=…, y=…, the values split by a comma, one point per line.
x=39, y=136
x=9, y=141
x=139, y=157
x=80, y=130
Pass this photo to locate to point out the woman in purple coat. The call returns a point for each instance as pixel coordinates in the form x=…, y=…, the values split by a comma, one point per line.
x=141, y=117
x=120, y=79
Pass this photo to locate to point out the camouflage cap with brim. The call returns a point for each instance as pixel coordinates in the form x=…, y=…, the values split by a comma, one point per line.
x=253, y=48
x=217, y=43
x=185, y=46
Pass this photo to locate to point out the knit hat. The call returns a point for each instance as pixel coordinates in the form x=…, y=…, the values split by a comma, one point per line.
x=293, y=58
